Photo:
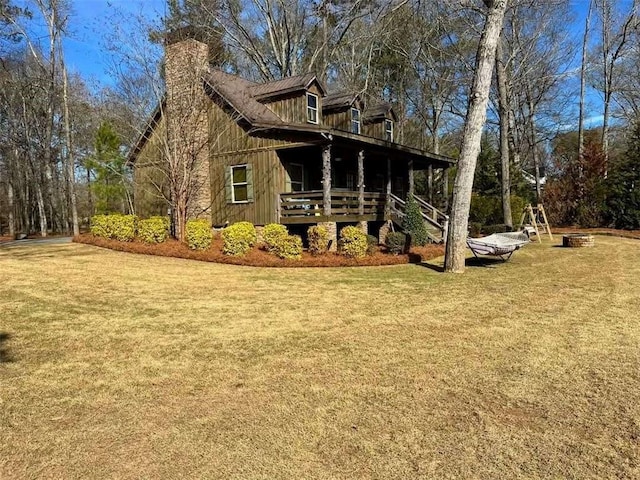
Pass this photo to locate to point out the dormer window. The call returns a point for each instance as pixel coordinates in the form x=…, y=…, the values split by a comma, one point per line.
x=312, y=108
x=388, y=130
x=355, y=121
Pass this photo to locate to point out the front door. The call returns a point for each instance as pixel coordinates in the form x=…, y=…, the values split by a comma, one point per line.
x=296, y=176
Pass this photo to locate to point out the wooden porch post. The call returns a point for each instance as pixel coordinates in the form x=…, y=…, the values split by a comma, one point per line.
x=388, y=191
x=445, y=189
x=411, y=182
x=361, y=182
x=430, y=183
x=326, y=180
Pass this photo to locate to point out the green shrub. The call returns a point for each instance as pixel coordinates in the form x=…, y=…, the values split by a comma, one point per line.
x=318, y=238
x=288, y=247
x=413, y=223
x=372, y=244
x=101, y=226
x=518, y=205
x=353, y=242
x=497, y=228
x=487, y=210
x=154, y=229
x=116, y=226
x=198, y=233
x=396, y=242
x=475, y=229
x=272, y=233
x=238, y=238
x=124, y=227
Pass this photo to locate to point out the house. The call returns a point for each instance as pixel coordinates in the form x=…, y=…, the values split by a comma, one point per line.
x=285, y=151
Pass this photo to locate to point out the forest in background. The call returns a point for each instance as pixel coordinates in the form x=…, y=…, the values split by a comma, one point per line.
x=63, y=144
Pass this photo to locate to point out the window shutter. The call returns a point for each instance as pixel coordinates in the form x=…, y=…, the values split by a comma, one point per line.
x=249, y=182
x=227, y=185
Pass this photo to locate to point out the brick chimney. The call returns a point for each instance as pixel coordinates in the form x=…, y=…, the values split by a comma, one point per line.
x=186, y=61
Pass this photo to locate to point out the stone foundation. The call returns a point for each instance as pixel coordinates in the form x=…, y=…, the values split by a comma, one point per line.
x=332, y=230
x=384, y=230
x=364, y=226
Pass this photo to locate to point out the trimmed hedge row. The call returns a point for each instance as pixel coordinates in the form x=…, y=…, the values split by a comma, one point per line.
x=198, y=234
x=353, y=242
x=154, y=229
x=238, y=239
x=116, y=227
x=125, y=228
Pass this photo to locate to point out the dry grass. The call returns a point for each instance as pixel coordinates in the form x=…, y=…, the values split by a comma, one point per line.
x=117, y=365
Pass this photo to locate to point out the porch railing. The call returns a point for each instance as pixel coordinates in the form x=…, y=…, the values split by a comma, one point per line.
x=437, y=222
x=310, y=203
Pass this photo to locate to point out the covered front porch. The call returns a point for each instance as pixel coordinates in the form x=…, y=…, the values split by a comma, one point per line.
x=349, y=181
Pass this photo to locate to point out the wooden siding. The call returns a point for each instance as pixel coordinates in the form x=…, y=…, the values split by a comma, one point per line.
x=375, y=130
x=339, y=120
x=149, y=178
x=293, y=108
x=231, y=145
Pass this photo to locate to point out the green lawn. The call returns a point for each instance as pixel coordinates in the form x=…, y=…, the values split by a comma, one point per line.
x=115, y=365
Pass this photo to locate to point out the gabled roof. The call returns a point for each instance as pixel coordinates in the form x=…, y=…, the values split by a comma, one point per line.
x=276, y=88
x=339, y=100
x=379, y=111
x=243, y=98
x=237, y=93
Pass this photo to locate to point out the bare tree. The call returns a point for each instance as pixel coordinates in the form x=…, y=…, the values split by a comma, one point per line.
x=474, y=123
x=503, y=113
x=583, y=80
x=615, y=44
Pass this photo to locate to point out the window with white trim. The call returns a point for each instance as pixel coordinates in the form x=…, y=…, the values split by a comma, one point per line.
x=355, y=120
x=312, y=108
x=239, y=184
x=388, y=130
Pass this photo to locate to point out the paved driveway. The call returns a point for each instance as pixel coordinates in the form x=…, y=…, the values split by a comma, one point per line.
x=35, y=241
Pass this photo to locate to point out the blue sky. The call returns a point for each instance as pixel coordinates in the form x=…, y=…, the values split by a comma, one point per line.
x=83, y=49
x=92, y=21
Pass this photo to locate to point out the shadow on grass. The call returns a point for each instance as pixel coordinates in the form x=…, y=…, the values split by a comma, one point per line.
x=34, y=251
x=5, y=357
x=469, y=262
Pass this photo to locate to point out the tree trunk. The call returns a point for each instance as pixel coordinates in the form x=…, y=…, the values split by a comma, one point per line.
x=71, y=177
x=10, y=200
x=503, y=110
x=534, y=146
x=583, y=83
x=474, y=123
x=89, y=196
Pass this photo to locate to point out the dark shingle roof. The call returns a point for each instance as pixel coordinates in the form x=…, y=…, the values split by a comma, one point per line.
x=378, y=111
x=275, y=88
x=338, y=100
x=237, y=92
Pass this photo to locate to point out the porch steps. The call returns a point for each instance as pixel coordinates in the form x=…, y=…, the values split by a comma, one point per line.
x=436, y=222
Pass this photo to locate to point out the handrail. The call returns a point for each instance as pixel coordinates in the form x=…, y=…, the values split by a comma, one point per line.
x=293, y=205
x=441, y=220
x=437, y=214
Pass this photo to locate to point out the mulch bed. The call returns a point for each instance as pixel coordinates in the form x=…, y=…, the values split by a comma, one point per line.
x=611, y=232
x=260, y=258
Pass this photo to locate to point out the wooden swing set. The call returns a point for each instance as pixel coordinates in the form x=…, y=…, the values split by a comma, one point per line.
x=536, y=221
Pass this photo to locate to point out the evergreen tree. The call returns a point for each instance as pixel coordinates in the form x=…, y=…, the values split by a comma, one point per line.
x=110, y=173
x=413, y=223
x=623, y=182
